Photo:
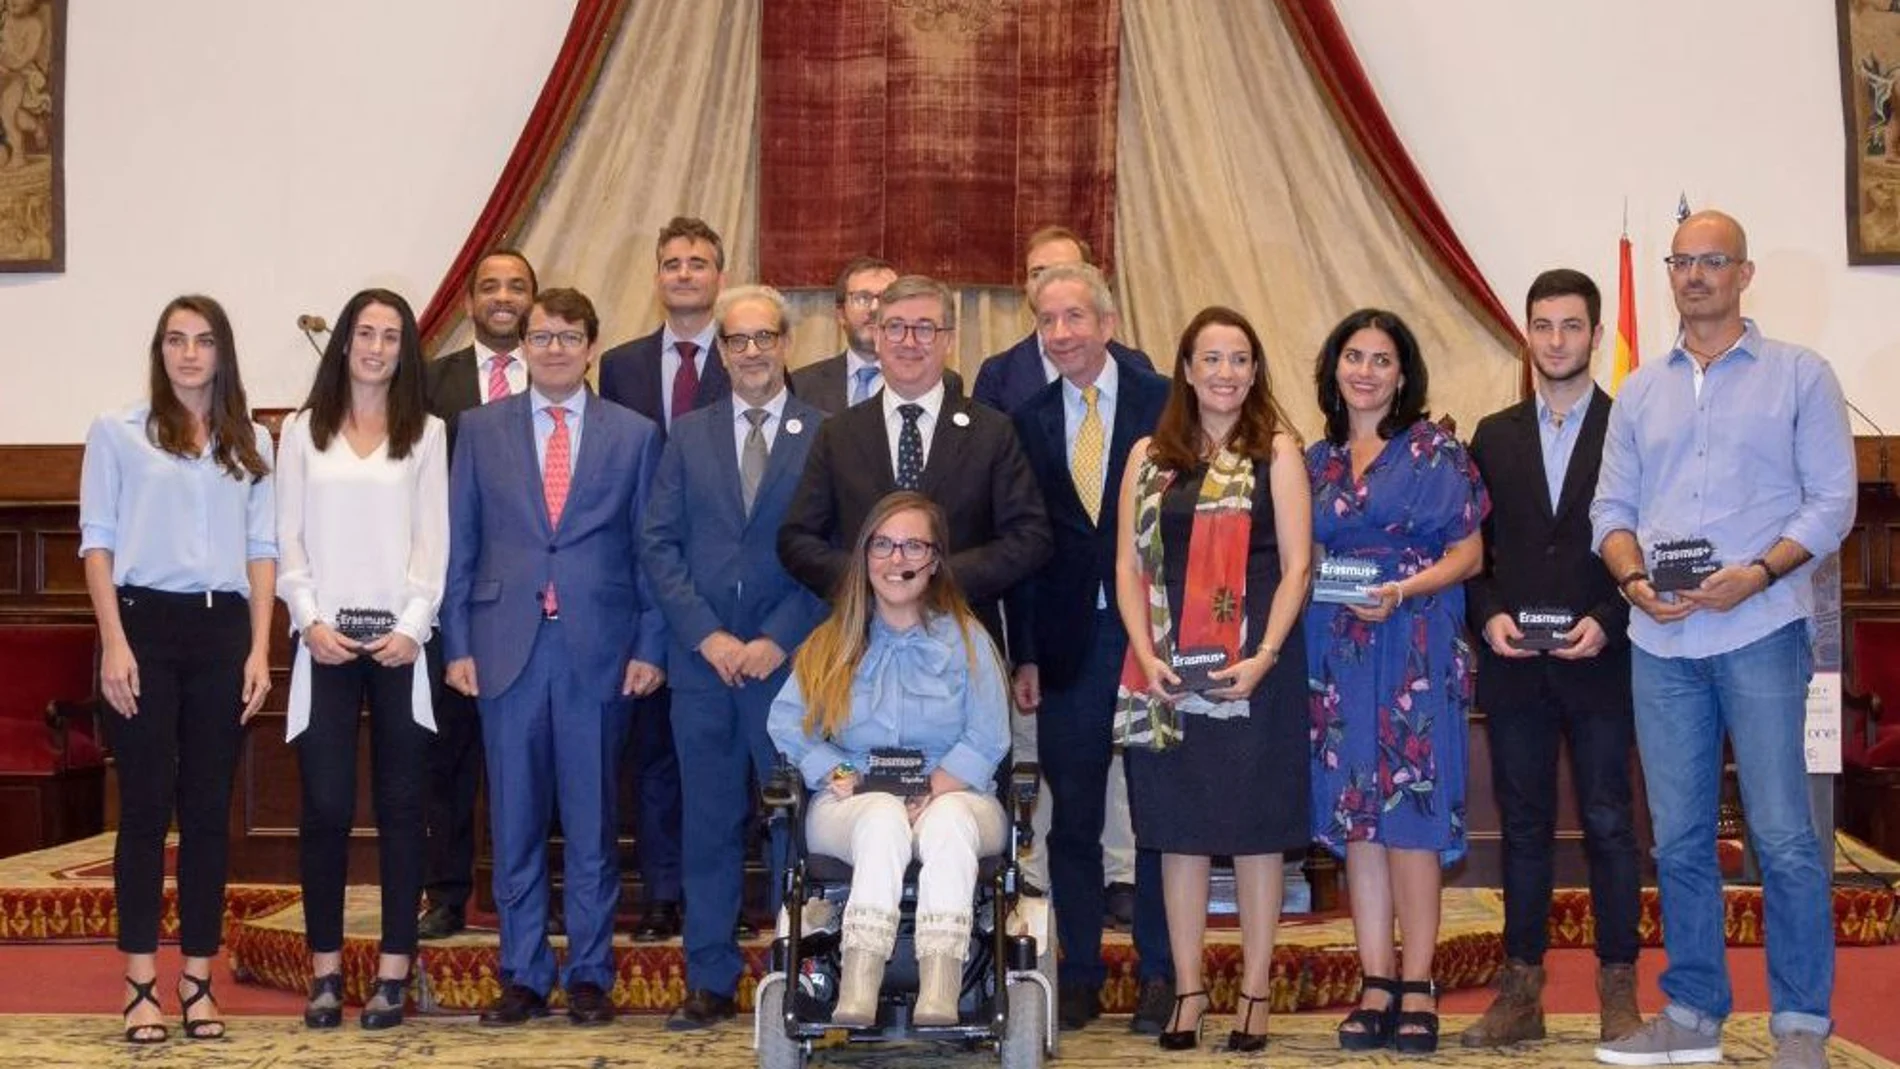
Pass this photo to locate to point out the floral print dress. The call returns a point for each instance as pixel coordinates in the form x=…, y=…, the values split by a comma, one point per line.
x=1388, y=701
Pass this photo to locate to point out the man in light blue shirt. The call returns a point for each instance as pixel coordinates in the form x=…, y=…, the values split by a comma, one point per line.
x=1742, y=441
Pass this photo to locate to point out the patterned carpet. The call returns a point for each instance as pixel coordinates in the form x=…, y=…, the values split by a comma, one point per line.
x=256, y=1043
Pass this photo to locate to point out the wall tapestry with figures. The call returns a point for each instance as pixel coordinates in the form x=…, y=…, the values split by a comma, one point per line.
x=1870, y=60
x=32, y=158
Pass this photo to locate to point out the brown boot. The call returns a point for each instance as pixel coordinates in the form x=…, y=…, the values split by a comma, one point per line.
x=1517, y=1014
x=1616, y=1001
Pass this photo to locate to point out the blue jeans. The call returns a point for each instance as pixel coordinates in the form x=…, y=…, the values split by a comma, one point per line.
x=1757, y=695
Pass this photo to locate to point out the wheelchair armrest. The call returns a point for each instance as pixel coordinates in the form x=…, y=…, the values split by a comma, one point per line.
x=1025, y=783
x=782, y=790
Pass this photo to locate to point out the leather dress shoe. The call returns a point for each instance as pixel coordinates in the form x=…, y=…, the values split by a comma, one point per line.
x=702, y=1009
x=1120, y=899
x=1153, y=1007
x=440, y=922
x=1077, y=1005
x=587, y=1004
x=744, y=930
x=661, y=921
x=517, y=1005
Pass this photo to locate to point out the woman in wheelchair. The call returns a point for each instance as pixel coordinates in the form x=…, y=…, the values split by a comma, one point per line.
x=900, y=670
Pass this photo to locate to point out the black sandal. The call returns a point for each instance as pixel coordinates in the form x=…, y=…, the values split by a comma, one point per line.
x=1241, y=1041
x=1180, y=1039
x=1369, y=1029
x=204, y=1028
x=1423, y=1039
x=325, y=1008
x=144, y=1034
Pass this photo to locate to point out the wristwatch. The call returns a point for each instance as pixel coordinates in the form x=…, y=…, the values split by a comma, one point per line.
x=1762, y=563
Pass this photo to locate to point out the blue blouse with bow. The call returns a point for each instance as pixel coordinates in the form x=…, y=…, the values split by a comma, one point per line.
x=915, y=689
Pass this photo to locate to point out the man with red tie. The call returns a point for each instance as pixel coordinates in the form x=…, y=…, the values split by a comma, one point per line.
x=663, y=376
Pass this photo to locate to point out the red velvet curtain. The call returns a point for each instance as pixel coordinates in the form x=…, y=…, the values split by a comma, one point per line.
x=590, y=33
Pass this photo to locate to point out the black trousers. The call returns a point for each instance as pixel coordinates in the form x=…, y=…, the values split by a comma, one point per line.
x=455, y=776
x=1524, y=745
x=180, y=752
x=399, y=754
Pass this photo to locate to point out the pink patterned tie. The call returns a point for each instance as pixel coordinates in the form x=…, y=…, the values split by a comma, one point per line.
x=498, y=376
x=554, y=480
x=685, y=380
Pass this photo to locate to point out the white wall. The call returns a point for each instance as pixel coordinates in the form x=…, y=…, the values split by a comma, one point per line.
x=1533, y=121
x=278, y=156
x=282, y=155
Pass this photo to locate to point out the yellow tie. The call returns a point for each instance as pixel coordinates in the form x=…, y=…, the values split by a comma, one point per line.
x=1085, y=461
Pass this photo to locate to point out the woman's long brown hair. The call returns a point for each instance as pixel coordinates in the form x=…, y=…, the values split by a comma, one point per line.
x=407, y=408
x=828, y=661
x=171, y=426
x=1180, y=443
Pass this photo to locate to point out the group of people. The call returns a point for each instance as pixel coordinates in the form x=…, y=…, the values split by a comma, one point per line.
x=712, y=564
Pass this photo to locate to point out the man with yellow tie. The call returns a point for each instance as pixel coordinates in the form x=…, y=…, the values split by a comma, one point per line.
x=1065, y=636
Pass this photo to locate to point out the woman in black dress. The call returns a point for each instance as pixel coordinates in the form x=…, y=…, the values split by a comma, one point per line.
x=1212, y=565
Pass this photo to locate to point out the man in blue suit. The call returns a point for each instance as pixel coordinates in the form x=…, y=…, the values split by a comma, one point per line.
x=1010, y=377
x=663, y=376
x=1066, y=636
x=734, y=616
x=546, y=624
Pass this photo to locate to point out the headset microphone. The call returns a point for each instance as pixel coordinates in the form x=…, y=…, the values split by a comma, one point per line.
x=908, y=575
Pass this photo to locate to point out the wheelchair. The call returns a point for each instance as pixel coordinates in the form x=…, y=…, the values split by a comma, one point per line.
x=1008, y=994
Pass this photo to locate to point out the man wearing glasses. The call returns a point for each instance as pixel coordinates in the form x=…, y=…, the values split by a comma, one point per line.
x=1734, y=448
x=920, y=436
x=733, y=616
x=837, y=383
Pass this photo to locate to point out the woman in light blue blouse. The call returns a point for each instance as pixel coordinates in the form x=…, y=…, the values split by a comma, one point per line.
x=178, y=533
x=900, y=665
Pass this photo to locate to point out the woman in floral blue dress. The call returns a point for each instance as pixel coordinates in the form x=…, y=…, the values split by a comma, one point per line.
x=1390, y=681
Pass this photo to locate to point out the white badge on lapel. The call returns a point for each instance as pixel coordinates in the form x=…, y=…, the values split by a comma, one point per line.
x=961, y=419
x=794, y=425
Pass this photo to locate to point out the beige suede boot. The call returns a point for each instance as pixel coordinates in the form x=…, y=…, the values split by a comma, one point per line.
x=1517, y=1014
x=939, y=982
x=862, y=973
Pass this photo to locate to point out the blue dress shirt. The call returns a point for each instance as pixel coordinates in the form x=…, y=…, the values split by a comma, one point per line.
x=922, y=689
x=174, y=524
x=1559, y=442
x=1761, y=452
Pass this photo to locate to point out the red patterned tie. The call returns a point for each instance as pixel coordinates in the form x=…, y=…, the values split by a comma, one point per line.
x=498, y=376
x=554, y=480
x=686, y=381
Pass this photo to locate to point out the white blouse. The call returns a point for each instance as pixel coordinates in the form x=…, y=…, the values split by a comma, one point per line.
x=361, y=532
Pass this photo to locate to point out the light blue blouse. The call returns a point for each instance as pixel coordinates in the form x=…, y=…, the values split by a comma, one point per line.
x=175, y=524
x=915, y=689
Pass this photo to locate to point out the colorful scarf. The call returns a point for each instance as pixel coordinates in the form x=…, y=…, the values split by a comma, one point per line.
x=1213, y=603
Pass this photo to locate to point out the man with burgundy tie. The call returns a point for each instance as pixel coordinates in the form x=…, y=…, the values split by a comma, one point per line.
x=547, y=623
x=663, y=376
x=499, y=292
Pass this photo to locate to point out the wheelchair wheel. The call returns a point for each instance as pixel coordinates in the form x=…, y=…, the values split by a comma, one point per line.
x=776, y=1049
x=1021, y=1047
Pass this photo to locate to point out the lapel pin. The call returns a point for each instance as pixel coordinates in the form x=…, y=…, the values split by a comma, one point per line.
x=794, y=425
x=961, y=419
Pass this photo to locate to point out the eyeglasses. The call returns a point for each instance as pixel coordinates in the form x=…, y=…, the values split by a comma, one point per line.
x=1710, y=261
x=763, y=340
x=545, y=339
x=925, y=332
x=861, y=299
x=910, y=549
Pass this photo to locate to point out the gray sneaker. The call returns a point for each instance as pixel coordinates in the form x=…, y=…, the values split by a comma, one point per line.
x=1663, y=1042
x=1801, y=1050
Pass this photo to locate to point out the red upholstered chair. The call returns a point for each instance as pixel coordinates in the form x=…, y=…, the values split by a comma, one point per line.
x=1871, y=732
x=52, y=765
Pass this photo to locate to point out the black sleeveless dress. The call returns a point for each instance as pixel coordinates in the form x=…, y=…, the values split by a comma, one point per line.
x=1236, y=786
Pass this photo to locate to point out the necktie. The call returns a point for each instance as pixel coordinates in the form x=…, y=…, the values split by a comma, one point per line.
x=498, y=376
x=861, y=382
x=752, y=457
x=1085, y=460
x=554, y=481
x=686, y=381
x=910, y=449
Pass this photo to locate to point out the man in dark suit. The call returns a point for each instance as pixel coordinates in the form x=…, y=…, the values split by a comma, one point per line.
x=1540, y=459
x=663, y=376
x=547, y=623
x=734, y=617
x=1066, y=637
x=920, y=436
x=499, y=292
x=1010, y=377
x=836, y=383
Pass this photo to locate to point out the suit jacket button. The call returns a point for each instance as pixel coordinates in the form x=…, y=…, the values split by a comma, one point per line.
x=1550, y=551
x=551, y=547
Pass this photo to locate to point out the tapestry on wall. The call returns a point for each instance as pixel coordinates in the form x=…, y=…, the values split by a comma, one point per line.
x=32, y=99
x=1870, y=60
x=938, y=134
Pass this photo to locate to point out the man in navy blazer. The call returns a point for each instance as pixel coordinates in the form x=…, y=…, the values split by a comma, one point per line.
x=1066, y=637
x=545, y=622
x=734, y=617
x=1007, y=379
x=663, y=376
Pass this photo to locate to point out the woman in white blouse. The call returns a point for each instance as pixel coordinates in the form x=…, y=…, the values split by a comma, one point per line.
x=362, y=527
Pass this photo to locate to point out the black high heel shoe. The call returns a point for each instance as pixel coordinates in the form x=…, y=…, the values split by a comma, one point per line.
x=1370, y=1029
x=144, y=1034
x=1185, y=1038
x=325, y=1008
x=1424, y=1038
x=1241, y=1041
x=204, y=1028
x=384, y=1008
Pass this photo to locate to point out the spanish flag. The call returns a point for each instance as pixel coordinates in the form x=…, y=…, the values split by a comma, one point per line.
x=1625, y=361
